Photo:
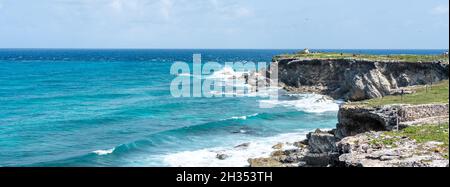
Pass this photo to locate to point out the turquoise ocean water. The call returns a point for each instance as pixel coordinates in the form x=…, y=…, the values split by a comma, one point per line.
x=114, y=108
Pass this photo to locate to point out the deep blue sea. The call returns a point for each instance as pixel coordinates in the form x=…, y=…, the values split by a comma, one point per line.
x=114, y=108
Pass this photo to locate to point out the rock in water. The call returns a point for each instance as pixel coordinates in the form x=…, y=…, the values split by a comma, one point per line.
x=278, y=146
x=243, y=146
x=222, y=156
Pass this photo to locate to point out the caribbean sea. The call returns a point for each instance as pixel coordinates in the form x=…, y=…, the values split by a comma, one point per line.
x=106, y=107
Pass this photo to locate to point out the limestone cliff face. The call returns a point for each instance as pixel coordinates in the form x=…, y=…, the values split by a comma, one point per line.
x=355, y=120
x=356, y=80
x=351, y=144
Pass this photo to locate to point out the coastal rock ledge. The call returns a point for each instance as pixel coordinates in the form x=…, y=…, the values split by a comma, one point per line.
x=356, y=119
x=396, y=135
x=370, y=150
x=364, y=137
x=356, y=80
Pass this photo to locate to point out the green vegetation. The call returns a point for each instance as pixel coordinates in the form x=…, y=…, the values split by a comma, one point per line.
x=437, y=93
x=390, y=141
x=397, y=58
x=422, y=134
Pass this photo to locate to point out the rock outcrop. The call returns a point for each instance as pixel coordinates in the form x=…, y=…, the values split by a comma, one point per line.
x=369, y=149
x=359, y=140
x=356, y=80
x=356, y=119
x=282, y=158
x=363, y=151
x=321, y=142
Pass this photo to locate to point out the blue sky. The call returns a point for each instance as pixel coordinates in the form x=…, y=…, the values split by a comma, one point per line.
x=369, y=24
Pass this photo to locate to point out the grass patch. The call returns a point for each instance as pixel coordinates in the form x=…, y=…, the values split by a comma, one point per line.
x=438, y=93
x=397, y=58
x=385, y=141
x=423, y=134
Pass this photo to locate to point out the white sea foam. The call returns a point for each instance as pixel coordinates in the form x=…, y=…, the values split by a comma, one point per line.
x=244, y=117
x=237, y=156
x=104, y=152
x=189, y=75
x=226, y=73
x=249, y=92
x=229, y=78
x=311, y=103
x=185, y=75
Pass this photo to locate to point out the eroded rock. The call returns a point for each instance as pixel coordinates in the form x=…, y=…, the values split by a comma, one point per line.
x=243, y=146
x=356, y=119
x=363, y=151
x=222, y=156
x=356, y=80
x=265, y=162
x=279, y=146
x=321, y=142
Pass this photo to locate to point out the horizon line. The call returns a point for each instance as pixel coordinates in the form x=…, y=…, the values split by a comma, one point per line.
x=88, y=48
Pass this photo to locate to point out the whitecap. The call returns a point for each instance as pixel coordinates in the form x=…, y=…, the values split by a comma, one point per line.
x=226, y=73
x=104, y=152
x=244, y=117
x=189, y=75
x=311, y=103
x=236, y=157
x=184, y=75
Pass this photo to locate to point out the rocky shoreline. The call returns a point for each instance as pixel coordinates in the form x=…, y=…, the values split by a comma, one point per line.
x=366, y=137
x=363, y=146
x=361, y=137
x=356, y=151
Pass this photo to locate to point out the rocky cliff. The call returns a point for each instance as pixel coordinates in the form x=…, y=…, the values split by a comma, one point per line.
x=355, y=119
x=356, y=80
x=362, y=139
x=366, y=136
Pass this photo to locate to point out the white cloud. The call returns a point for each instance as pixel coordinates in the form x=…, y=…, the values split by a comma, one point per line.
x=116, y=5
x=441, y=9
x=126, y=5
x=166, y=8
x=144, y=9
x=230, y=9
x=155, y=10
x=243, y=12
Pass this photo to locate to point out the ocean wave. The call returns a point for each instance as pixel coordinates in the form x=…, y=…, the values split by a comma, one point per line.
x=190, y=75
x=104, y=152
x=185, y=75
x=259, y=147
x=249, y=91
x=236, y=156
x=244, y=117
x=226, y=73
x=310, y=103
x=160, y=136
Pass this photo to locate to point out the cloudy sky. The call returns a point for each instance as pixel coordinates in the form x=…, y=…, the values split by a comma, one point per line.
x=224, y=24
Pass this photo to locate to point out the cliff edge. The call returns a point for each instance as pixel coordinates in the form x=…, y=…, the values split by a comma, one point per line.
x=402, y=122
x=356, y=79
